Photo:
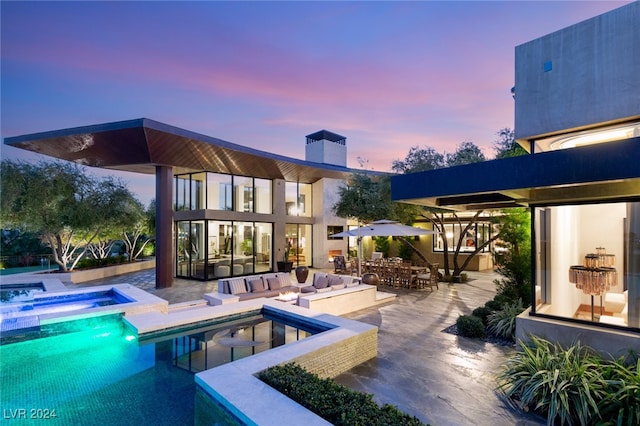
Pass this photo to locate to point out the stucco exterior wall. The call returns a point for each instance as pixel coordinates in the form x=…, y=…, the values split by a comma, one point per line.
x=325, y=196
x=582, y=76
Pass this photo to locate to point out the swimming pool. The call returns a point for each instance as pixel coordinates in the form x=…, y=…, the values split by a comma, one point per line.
x=22, y=313
x=104, y=375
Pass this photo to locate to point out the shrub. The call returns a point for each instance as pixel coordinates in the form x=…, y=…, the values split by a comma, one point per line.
x=502, y=323
x=566, y=384
x=622, y=401
x=331, y=401
x=483, y=313
x=470, y=326
x=493, y=305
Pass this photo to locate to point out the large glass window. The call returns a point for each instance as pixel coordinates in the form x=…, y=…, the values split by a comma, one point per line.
x=214, y=249
x=219, y=192
x=298, y=199
x=588, y=262
x=299, y=242
x=243, y=193
x=215, y=191
x=262, y=196
x=474, y=237
x=190, y=249
x=198, y=193
x=182, y=193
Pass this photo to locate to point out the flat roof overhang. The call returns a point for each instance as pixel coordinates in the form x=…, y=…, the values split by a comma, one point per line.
x=142, y=144
x=598, y=172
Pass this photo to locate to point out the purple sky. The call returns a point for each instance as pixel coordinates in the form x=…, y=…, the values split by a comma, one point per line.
x=387, y=75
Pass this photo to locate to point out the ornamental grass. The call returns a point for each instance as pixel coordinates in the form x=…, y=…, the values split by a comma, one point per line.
x=572, y=386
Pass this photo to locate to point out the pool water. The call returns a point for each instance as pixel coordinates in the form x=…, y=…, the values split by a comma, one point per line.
x=19, y=292
x=106, y=376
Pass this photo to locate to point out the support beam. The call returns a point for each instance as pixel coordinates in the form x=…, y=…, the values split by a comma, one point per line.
x=164, y=223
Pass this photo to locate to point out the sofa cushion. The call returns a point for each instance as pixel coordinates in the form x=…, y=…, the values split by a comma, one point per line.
x=335, y=280
x=337, y=286
x=285, y=280
x=308, y=289
x=324, y=289
x=321, y=282
x=274, y=283
x=237, y=286
x=256, y=285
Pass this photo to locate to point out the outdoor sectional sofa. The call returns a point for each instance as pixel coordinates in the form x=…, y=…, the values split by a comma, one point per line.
x=272, y=284
x=323, y=283
x=254, y=286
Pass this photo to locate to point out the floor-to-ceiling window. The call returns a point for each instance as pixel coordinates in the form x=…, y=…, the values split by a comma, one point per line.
x=212, y=249
x=588, y=262
x=299, y=241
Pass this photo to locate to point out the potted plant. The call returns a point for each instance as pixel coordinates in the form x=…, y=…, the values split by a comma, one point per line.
x=247, y=247
x=285, y=265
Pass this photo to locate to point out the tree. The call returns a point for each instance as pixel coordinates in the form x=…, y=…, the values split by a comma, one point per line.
x=139, y=224
x=506, y=145
x=419, y=160
x=360, y=198
x=68, y=208
x=466, y=153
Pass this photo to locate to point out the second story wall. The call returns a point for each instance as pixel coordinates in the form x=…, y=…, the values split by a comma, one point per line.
x=584, y=76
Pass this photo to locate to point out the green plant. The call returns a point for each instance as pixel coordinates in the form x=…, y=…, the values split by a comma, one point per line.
x=494, y=305
x=247, y=247
x=470, y=326
x=483, y=313
x=382, y=244
x=331, y=401
x=502, y=323
x=405, y=251
x=565, y=384
x=622, y=401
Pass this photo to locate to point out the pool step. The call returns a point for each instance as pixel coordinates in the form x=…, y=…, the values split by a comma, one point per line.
x=17, y=323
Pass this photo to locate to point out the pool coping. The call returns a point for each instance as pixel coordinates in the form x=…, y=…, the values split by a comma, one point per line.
x=141, y=301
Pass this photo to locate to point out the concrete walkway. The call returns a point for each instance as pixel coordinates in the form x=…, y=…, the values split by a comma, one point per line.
x=436, y=376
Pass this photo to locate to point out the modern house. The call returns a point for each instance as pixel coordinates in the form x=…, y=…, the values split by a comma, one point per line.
x=577, y=113
x=222, y=209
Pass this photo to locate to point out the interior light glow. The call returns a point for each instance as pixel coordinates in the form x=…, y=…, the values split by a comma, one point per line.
x=590, y=137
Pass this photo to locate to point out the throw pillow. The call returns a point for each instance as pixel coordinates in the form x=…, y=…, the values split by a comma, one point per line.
x=237, y=286
x=256, y=285
x=274, y=283
x=321, y=282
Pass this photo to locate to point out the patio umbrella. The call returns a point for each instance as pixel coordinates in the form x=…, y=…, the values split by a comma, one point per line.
x=383, y=228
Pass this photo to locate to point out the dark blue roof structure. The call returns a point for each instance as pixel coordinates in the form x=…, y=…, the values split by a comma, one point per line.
x=606, y=171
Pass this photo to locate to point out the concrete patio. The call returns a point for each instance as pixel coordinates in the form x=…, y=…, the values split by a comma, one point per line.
x=436, y=376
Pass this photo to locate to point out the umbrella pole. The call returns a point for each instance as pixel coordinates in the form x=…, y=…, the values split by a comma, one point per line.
x=359, y=252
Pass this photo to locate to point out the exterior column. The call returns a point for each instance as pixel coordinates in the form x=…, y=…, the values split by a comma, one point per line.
x=164, y=225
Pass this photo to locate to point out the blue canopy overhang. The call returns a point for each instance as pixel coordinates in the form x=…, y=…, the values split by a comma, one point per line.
x=606, y=171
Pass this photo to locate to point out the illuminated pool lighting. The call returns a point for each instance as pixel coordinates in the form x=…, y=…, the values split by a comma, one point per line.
x=130, y=338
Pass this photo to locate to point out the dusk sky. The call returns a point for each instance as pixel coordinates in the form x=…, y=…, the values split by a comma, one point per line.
x=387, y=75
